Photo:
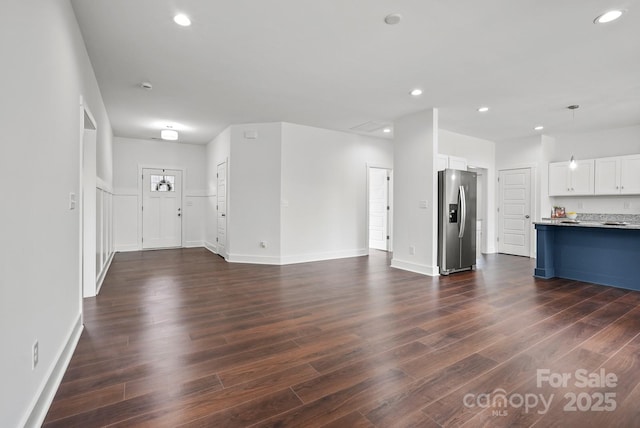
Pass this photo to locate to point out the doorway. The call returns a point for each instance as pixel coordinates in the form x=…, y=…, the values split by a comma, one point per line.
x=87, y=202
x=514, y=212
x=161, y=208
x=221, y=205
x=379, y=208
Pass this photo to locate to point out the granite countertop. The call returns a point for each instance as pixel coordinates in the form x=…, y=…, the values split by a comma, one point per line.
x=585, y=223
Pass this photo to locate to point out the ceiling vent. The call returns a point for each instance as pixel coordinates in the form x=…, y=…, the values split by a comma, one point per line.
x=370, y=126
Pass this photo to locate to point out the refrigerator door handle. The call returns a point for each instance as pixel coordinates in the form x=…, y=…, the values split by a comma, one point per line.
x=463, y=211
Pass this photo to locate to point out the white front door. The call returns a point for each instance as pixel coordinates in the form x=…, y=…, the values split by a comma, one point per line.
x=379, y=209
x=221, y=238
x=161, y=208
x=514, y=218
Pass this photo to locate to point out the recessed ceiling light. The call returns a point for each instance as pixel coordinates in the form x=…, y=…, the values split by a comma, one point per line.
x=182, y=20
x=386, y=130
x=483, y=109
x=416, y=92
x=169, y=134
x=539, y=128
x=612, y=15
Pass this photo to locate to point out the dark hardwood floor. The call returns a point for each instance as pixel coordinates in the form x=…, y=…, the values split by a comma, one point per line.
x=182, y=338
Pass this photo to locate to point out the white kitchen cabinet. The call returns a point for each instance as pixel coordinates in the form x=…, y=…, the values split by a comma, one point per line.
x=618, y=175
x=564, y=181
x=630, y=175
x=451, y=162
x=457, y=163
x=607, y=175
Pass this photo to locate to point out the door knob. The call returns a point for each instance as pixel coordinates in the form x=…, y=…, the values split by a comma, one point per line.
x=179, y=215
x=527, y=216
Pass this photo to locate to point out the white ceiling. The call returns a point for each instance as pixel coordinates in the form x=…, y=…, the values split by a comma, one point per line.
x=336, y=64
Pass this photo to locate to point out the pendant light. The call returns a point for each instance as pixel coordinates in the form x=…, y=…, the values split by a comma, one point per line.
x=572, y=163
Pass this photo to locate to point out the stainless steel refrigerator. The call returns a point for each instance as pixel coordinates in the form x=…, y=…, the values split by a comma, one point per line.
x=456, y=220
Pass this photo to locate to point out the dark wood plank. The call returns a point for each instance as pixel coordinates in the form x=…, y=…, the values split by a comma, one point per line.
x=180, y=337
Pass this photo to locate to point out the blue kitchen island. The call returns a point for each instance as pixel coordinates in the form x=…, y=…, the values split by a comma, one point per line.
x=589, y=251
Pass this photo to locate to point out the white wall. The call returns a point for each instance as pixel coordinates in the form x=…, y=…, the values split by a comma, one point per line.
x=128, y=156
x=415, y=223
x=254, y=193
x=45, y=72
x=324, y=191
x=481, y=154
x=217, y=151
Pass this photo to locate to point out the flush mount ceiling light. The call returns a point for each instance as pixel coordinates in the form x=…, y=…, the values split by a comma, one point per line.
x=416, y=92
x=169, y=134
x=386, y=130
x=538, y=128
x=609, y=16
x=483, y=109
x=393, y=19
x=182, y=20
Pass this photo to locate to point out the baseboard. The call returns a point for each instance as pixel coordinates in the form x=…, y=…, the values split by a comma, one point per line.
x=47, y=390
x=317, y=257
x=415, y=267
x=193, y=244
x=257, y=260
x=104, y=273
x=211, y=247
x=127, y=248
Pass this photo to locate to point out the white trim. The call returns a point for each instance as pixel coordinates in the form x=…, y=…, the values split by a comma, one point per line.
x=47, y=390
x=330, y=255
x=415, y=267
x=193, y=244
x=125, y=248
x=211, y=247
x=130, y=191
x=196, y=194
x=103, y=273
x=103, y=185
x=257, y=260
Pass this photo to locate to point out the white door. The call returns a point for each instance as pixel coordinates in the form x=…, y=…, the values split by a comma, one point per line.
x=514, y=217
x=161, y=208
x=221, y=238
x=379, y=209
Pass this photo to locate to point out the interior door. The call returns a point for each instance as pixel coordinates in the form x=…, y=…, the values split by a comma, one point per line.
x=221, y=238
x=379, y=209
x=161, y=208
x=514, y=218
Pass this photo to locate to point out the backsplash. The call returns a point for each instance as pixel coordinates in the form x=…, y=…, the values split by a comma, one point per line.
x=629, y=218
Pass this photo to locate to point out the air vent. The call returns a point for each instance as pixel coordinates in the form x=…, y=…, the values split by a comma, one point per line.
x=370, y=126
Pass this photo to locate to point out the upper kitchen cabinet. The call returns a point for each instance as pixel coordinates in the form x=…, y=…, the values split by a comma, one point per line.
x=564, y=181
x=617, y=175
x=451, y=162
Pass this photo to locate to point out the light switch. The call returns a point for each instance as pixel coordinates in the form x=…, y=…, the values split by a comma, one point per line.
x=72, y=201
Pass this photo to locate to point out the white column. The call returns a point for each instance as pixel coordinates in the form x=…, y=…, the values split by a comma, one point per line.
x=415, y=223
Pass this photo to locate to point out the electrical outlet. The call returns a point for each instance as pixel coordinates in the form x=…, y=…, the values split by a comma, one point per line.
x=412, y=250
x=34, y=362
x=627, y=205
x=580, y=205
